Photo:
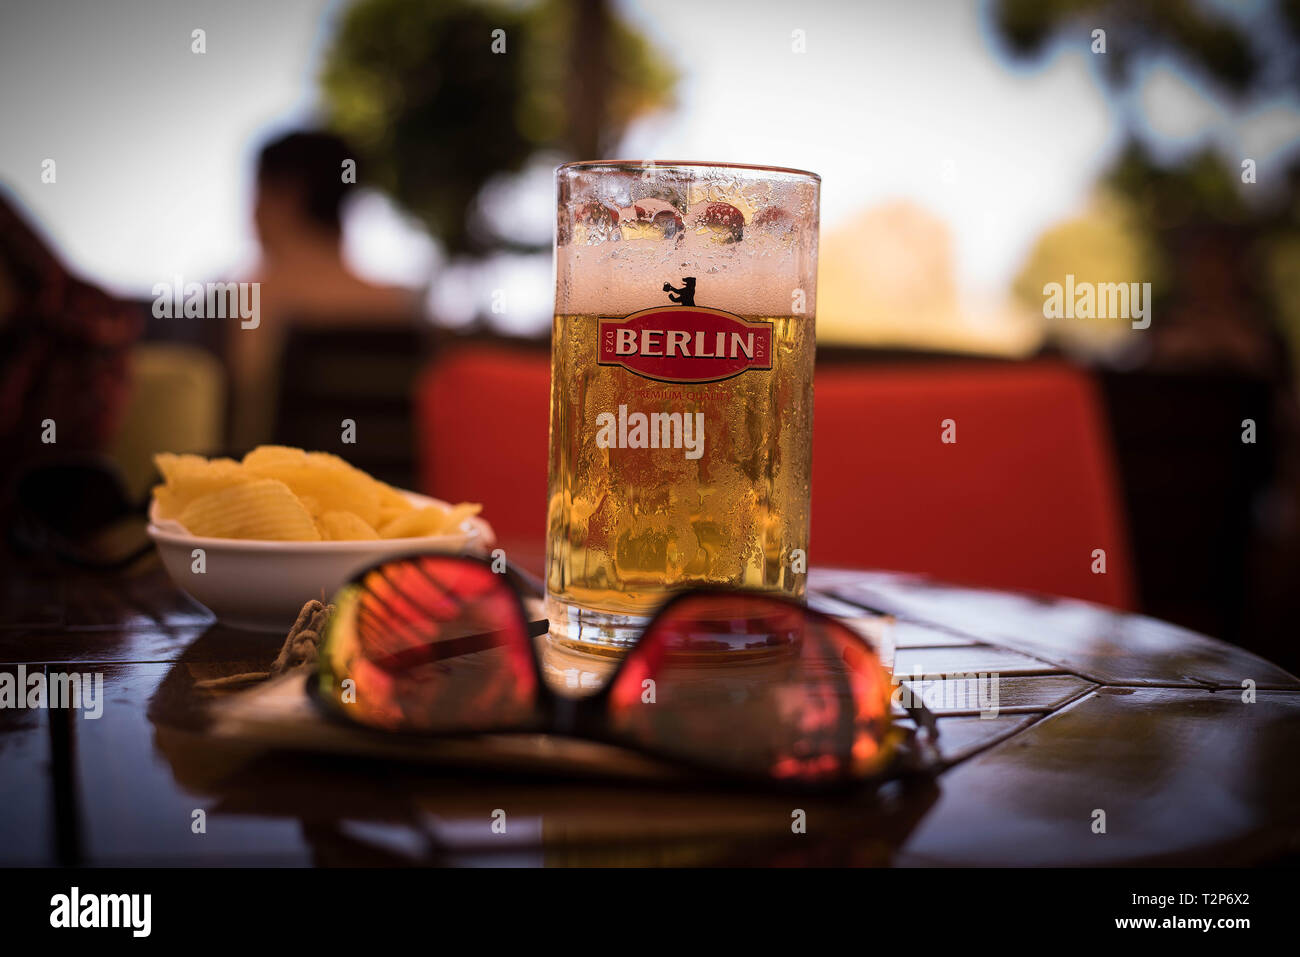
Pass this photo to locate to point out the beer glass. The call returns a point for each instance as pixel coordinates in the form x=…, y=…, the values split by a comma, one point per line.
x=681, y=388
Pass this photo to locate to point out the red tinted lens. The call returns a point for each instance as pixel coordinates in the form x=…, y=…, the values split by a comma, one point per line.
x=434, y=643
x=753, y=684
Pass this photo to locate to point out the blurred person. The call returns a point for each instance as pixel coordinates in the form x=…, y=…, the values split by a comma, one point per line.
x=64, y=353
x=305, y=282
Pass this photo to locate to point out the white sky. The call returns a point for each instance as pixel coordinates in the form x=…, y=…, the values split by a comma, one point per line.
x=902, y=100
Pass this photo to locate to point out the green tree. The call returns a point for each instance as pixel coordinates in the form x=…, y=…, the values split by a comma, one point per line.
x=441, y=97
x=1188, y=30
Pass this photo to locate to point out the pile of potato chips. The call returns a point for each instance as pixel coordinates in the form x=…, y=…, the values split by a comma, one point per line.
x=284, y=494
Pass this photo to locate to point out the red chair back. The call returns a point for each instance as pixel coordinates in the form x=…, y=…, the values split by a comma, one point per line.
x=483, y=414
x=1020, y=500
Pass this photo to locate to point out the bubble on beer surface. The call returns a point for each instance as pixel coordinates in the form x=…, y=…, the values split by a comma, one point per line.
x=720, y=222
x=666, y=186
x=653, y=219
x=775, y=220
x=593, y=222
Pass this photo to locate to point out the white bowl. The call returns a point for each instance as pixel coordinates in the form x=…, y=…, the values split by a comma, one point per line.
x=261, y=585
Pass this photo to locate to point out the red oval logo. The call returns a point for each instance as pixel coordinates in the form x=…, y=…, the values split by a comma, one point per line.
x=685, y=344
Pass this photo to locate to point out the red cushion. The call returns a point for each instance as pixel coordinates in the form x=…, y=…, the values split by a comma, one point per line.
x=1021, y=500
x=483, y=418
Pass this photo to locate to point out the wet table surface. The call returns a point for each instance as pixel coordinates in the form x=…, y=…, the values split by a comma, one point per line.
x=1116, y=739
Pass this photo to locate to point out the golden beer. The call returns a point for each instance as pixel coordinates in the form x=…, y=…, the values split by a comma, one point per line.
x=680, y=430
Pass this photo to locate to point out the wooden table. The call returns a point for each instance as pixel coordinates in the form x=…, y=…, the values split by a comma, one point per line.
x=1098, y=712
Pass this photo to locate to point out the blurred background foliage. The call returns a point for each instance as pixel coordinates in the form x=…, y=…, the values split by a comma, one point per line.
x=1189, y=30
x=1228, y=265
x=420, y=92
x=1108, y=242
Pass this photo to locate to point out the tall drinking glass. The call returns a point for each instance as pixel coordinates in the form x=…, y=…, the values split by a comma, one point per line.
x=681, y=388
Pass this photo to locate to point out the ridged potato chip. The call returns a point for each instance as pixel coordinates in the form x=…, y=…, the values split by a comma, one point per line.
x=387, y=513
x=430, y=520
x=326, y=480
x=457, y=515
x=390, y=497
x=262, y=509
x=269, y=456
x=285, y=494
x=344, y=527
x=392, y=503
x=188, y=477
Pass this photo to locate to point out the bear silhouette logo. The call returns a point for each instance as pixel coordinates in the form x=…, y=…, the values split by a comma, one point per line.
x=685, y=296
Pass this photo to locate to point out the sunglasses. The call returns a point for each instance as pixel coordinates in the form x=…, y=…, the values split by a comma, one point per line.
x=737, y=684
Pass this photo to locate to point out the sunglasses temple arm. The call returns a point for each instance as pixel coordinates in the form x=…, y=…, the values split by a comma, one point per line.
x=524, y=582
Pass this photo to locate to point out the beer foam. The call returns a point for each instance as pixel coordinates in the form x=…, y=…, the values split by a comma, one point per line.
x=758, y=276
x=624, y=235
